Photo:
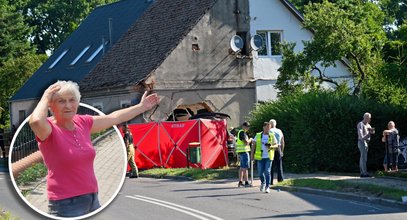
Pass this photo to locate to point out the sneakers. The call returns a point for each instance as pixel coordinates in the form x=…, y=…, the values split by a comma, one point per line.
x=262, y=187
x=365, y=176
x=246, y=184
x=267, y=189
x=240, y=184
x=134, y=175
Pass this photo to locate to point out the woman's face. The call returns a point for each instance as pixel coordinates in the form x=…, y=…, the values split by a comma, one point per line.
x=64, y=106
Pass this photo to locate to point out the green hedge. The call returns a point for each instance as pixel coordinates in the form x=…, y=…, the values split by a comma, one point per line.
x=320, y=130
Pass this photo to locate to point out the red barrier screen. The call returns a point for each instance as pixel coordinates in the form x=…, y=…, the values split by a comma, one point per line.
x=164, y=144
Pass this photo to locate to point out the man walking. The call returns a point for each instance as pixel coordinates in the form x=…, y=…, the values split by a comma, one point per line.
x=278, y=154
x=264, y=153
x=243, y=148
x=364, y=132
x=128, y=140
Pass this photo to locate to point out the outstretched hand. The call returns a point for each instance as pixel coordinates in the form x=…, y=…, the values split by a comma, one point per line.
x=148, y=102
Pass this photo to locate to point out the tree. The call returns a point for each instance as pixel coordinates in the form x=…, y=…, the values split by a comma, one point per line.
x=14, y=34
x=348, y=30
x=54, y=21
x=13, y=74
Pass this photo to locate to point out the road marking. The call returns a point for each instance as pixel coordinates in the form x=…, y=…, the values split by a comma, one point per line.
x=180, y=208
x=366, y=205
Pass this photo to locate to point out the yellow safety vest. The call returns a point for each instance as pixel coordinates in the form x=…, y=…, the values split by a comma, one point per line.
x=240, y=145
x=258, y=152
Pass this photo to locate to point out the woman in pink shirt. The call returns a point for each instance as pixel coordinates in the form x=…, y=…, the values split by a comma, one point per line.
x=65, y=143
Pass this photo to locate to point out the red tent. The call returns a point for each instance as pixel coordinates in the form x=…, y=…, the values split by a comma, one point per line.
x=164, y=144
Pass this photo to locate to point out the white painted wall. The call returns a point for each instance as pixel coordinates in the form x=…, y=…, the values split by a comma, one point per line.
x=272, y=15
x=27, y=106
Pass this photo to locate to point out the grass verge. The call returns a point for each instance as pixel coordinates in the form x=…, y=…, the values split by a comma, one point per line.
x=343, y=186
x=31, y=174
x=6, y=215
x=195, y=174
x=398, y=174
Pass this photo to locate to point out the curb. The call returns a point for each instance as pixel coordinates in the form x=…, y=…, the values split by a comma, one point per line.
x=347, y=196
x=183, y=178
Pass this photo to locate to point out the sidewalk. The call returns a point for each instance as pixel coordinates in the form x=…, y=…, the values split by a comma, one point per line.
x=396, y=183
x=108, y=169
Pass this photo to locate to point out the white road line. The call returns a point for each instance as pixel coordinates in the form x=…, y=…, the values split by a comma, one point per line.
x=177, y=207
x=366, y=205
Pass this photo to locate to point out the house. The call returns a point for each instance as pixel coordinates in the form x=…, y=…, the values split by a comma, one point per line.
x=279, y=21
x=179, y=49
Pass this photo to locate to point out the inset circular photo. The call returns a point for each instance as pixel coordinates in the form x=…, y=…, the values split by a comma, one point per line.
x=65, y=168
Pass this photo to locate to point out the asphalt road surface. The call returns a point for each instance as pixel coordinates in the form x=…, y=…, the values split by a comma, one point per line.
x=151, y=199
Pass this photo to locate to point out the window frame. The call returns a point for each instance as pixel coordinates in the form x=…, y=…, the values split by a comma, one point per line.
x=268, y=42
x=59, y=58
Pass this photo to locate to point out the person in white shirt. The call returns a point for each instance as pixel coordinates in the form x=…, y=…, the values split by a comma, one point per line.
x=278, y=155
x=364, y=132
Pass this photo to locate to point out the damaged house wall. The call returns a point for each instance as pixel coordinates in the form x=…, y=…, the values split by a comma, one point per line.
x=202, y=68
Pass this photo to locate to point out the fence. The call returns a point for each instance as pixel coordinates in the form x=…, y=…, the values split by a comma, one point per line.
x=25, y=144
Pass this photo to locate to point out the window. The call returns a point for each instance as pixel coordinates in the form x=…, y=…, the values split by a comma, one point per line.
x=21, y=116
x=97, y=51
x=271, y=43
x=58, y=59
x=80, y=55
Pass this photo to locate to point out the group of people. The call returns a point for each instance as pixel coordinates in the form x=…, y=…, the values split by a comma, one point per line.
x=390, y=138
x=266, y=149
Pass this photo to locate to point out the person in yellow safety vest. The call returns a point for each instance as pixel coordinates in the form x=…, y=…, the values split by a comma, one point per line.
x=265, y=144
x=243, y=149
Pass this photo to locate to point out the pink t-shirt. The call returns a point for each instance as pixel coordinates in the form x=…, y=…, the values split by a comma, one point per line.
x=69, y=157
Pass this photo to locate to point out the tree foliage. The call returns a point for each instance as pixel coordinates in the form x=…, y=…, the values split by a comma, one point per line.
x=14, y=34
x=348, y=30
x=320, y=129
x=13, y=74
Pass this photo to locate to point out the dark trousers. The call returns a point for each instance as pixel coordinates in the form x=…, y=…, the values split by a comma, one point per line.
x=277, y=164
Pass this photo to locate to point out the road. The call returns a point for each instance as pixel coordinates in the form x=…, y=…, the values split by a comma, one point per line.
x=146, y=198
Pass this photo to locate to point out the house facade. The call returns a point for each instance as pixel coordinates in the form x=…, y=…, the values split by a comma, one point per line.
x=181, y=50
x=278, y=21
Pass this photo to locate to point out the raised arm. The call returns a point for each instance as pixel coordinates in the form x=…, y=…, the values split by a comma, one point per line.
x=102, y=122
x=38, y=119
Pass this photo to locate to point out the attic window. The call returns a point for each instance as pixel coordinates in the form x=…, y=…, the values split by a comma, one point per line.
x=58, y=59
x=80, y=55
x=97, y=51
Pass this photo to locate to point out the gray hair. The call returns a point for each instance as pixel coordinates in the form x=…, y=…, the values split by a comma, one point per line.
x=69, y=87
x=367, y=115
x=273, y=123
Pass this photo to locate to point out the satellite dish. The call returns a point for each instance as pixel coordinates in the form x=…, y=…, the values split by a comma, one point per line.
x=236, y=43
x=256, y=42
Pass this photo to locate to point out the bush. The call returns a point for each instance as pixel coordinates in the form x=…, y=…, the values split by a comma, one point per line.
x=31, y=174
x=320, y=129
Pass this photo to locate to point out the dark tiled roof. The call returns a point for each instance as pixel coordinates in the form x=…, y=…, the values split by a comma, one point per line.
x=90, y=32
x=147, y=43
